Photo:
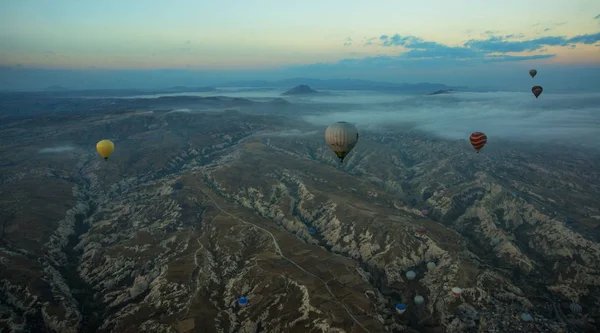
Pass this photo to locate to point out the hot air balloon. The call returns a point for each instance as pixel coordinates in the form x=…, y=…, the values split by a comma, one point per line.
x=411, y=275
x=341, y=137
x=575, y=308
x=431, y=265
x=537, y=91
x=105, y=148
x=425, y=212
x=419, y=300
x=526, y=316
x=456, y=291
x=478, y=140
x=400, y=308
x=496, y=241
x=419, y=232
x=312, y=230
x=533, y=73
x=242, y=301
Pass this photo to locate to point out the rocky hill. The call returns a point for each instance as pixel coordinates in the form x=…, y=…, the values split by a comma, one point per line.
x=194, y=210
x=300, y=90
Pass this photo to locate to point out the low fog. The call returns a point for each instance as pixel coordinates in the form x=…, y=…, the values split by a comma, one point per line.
x=571, y=119
x=57, y=149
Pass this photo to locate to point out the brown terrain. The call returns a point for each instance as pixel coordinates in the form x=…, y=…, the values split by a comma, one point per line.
x=195, y=209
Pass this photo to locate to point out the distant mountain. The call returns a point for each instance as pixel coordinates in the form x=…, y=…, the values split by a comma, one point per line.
x=55, y=88
x=443, y=91
x=300, y=90
x=188, y=89
x=345, y=84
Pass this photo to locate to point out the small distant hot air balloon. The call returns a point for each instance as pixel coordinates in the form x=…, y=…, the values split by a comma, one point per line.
x=425, y=212
x=478, y=140
x=341, y=137
x=575, y=308
x=105, y=148
x=419, y=232
x=242, y=301
x=537, y=91
x=312, y=230
x=419, y=300
x=533, y=73
x=400, y=308
x=431, y=265
x=456, y=291
x=495, y=241
x=411, y=275
x=526, y=316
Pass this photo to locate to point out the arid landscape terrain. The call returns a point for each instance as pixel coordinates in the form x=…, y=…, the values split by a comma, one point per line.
x=207, y=199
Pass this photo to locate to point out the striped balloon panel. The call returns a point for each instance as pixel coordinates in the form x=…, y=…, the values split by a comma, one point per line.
x=478, y=140
x=341, y=138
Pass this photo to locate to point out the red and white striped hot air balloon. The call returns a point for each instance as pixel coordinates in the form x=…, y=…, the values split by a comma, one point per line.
x=456, y=291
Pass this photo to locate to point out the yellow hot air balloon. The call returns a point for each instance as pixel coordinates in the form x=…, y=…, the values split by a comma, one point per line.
x=105, y=148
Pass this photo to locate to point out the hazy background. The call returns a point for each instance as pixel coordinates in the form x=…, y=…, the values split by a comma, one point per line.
x=158, y=44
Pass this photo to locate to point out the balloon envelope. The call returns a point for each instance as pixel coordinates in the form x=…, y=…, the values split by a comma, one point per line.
x=242, y=301
x=575, y=308
x=105, y=148
x=400, y=308
x=478, y=140
x=537, y=91
x=526, y=316
x=419, y=299
x=533, y=73
x=456, y=291
x=312, y=230
x=431, y=265
x=411, y=275
x=341, y=137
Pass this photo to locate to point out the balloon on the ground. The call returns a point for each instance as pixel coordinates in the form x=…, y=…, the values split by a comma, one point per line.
x=400, y=308
x=526, y=316
x=575, y=308
x=456, y=291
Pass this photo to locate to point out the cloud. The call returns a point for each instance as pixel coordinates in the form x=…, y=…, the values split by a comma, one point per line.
x=597, y=17
x=491, y=49
x=288, y=133
x=348, y=41
x=554, y=118
x=58, y=149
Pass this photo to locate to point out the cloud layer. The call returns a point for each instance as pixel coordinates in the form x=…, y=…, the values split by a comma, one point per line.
x=564, y=119
x=492, y=49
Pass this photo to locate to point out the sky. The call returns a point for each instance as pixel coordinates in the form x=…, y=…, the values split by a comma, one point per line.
x=149, y=43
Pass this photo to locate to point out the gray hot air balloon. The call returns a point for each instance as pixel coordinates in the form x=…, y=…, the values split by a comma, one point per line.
x=575, y=308
x=526, y=316
x=411, y=275
x=419, y=300
x=341, y=137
